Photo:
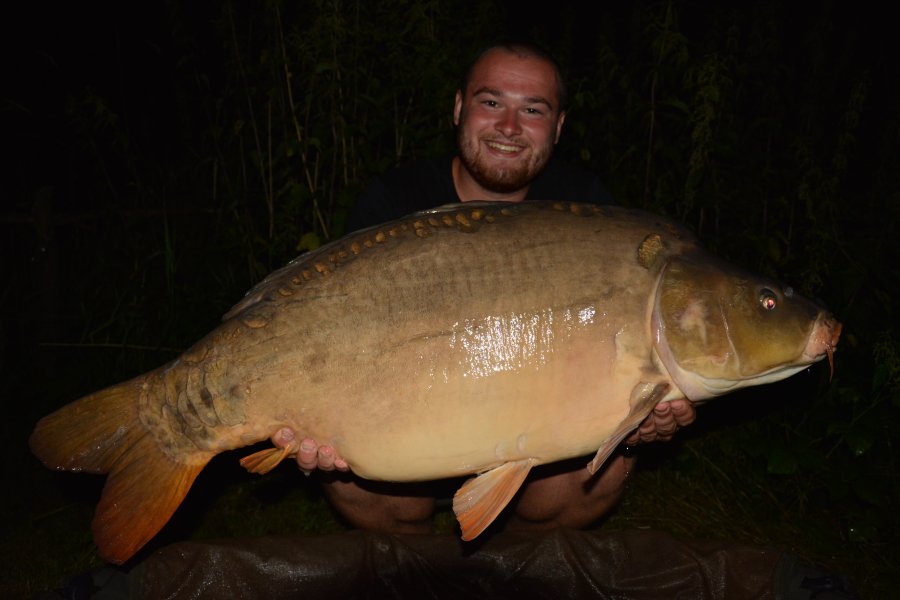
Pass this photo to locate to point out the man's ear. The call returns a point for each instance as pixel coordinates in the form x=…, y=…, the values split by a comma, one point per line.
x=559, y=124
x=457, y=107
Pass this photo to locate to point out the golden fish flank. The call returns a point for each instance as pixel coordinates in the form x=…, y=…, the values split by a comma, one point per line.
x=478, y=339
x=514, y=342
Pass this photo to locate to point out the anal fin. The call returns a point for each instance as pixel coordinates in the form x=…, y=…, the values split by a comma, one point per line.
x=480, y=499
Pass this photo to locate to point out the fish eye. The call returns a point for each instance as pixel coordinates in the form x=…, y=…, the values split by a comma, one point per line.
x=767, y=299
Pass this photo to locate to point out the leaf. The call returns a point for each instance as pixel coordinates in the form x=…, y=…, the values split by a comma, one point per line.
x=773, y=249
x=838, y=427
x=881, y=377
x=782, y=461
x=860, y=531
x=870, y=488
x=309, y=241
x=859, y=439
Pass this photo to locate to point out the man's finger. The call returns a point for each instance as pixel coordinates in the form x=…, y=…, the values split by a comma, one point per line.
x=326, y=458
x=308, y=456
x=283, y=437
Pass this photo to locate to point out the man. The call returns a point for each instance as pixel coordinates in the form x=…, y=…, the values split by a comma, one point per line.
x=509, y=113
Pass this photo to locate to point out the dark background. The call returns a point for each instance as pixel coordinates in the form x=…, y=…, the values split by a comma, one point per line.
x=159, y=162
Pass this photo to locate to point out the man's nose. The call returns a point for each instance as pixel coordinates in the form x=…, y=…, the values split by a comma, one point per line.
x=508, y=123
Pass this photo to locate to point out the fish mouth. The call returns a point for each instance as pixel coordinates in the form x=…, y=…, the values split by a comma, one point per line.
x=823, y=341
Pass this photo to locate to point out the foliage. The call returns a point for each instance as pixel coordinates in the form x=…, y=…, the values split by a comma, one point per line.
x=328, y=95
x=772, y=133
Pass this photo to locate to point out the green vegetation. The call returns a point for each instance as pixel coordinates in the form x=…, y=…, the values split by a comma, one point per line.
x=144, y=206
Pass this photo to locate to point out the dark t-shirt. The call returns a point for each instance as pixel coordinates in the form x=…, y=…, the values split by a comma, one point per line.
x=425, y=184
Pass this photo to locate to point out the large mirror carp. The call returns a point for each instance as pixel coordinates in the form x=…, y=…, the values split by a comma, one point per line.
x=472, y=339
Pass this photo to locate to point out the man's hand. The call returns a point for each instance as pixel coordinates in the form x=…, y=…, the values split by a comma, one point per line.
x=663, y=422
x=310, y=456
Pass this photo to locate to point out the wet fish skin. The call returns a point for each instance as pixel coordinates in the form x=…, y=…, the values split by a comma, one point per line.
x=470, y=339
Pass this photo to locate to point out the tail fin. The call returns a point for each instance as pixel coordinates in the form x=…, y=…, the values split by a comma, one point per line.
x=102, y=433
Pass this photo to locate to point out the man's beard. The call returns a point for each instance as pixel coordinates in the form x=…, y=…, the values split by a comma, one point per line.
x=501, y=181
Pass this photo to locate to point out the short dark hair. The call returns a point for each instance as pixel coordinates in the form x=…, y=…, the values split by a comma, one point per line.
x=523, y=49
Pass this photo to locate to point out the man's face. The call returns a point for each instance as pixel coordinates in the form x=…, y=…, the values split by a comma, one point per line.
x=508, y=120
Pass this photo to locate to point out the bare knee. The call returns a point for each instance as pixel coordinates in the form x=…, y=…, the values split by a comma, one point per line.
x=570, y=497
x=388, y=508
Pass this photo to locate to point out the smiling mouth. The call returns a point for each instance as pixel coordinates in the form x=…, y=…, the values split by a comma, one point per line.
x=505, y=148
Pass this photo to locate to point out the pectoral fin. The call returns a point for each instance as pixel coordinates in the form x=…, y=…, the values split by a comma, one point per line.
x=480, y=499
x=643, y=398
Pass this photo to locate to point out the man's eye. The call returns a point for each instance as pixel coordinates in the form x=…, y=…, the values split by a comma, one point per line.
x=533, y=111
x=490, y=103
